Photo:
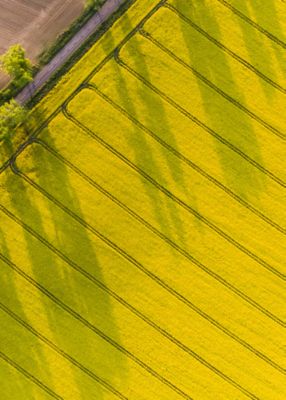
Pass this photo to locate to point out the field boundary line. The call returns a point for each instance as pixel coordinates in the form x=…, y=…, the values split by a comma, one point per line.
x=194, y=119
x=224, y=48
x=29, y=376
x=91, y=74
x=122, y=252
x=254, y=24
x=158, y=281
x=177, y=200
x=184, y=159
x=162, y=236
x=62, y=353
x=202, y=78
x=15, y=170
x=138, y=265
x=95, y=329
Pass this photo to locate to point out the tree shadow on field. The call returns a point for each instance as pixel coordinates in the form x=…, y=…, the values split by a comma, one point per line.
x=6, y=151
x=230, y=123
x=258, y=44
x=9, y=145
x=150, y=112
x=70, y=286
x=15, y=385
x=15, y=382
x=252, y=9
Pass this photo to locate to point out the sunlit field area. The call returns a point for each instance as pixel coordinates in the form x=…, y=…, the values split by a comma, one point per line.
x=143, y=224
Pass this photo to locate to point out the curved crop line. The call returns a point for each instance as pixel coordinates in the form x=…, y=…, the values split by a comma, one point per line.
x=177, y=200
x=225, y=48
x=61, y=254
x=182, y=252
x=163, y=237
x=62, y=353
x=254, y=24
x=196, y=120
x=187, y=161
x=95, y=70
x=124, y=303
x=140, y=266
x=211, y=85
x=94, y=329
x=102, y=286
x=29, y=376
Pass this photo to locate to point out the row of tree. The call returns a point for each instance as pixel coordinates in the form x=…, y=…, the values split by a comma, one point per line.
x=19, y=68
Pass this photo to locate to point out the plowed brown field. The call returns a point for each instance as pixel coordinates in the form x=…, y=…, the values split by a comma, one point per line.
x=35, y=23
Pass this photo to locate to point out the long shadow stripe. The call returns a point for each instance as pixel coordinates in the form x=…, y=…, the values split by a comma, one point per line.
x=177, y=200
x=187, y=255
x=228, y=51
x=93, y=328
x=187, y=161
x=133, y=261
x=254, y=24
x=197, y=121
x=127, y=305
x=163, y=237
x=29, y=376
x=211, y=85
x=62, y=353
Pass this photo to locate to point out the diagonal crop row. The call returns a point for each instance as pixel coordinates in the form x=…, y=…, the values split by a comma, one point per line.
x=138, y=265
x=198, y=122
x=255, y=25
x=166, y=334
x=87, y=78
x=225, y=49
x=202, y=267
x=167, y=240
x=59, y=351
x=211, y=85
x=180, y=202
x=102, y=286
x=93, y=328
x=161, y=283
x=29, y=376
x=187, y=161
x=185, y=254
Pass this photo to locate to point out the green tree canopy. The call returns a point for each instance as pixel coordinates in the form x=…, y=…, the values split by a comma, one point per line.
x=93, y=3
x=15, y=64
x=11, y=115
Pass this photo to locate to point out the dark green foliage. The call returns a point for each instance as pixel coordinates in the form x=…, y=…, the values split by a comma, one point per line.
x=16, y=65
x=11, y=115
x=95, y=4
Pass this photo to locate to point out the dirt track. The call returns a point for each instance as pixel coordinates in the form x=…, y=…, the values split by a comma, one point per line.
x=109, y=7
x=35, y=23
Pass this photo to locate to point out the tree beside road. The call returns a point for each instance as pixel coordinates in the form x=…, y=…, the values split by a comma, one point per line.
x=11, y=115
x=15, y=63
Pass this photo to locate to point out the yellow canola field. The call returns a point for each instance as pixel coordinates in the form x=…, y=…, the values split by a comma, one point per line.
x=142, y=236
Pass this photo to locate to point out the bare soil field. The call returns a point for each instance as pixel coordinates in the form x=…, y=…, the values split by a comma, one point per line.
x=34, y=23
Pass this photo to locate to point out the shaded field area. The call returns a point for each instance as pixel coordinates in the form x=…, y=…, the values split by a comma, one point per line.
x=142, y=229
x=34, y=24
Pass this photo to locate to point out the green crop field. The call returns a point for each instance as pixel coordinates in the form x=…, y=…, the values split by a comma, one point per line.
x=142, y=225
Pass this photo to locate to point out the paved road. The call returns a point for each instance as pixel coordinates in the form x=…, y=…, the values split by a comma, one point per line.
x=109, y=7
